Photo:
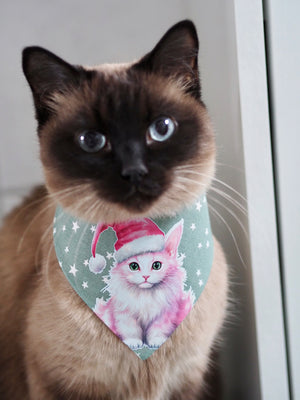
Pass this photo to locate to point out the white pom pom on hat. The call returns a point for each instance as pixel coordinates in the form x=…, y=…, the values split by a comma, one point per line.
x=97, y=264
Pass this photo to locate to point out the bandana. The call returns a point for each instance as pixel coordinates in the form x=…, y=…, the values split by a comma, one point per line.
x=140, y=277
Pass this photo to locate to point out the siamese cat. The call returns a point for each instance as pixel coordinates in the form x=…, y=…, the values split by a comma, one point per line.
x=117, y=142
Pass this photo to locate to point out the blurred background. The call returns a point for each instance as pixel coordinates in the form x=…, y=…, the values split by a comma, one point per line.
x=249, y=63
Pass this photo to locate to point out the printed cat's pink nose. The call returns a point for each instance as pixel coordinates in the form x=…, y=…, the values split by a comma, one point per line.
x=146, y=277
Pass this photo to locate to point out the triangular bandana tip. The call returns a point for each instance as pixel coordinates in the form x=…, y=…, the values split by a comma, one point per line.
x=140, y=277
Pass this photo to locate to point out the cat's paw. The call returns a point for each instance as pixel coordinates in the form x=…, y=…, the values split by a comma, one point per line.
x=155, y=342
x=134, y=344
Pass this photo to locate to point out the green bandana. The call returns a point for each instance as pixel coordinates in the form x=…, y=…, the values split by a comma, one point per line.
x=141, y=277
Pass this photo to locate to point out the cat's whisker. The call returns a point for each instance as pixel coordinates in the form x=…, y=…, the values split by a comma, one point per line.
x=230, y=231
x=45, y=234
x=235, y=202
x=37, y=216
x=83, y=233
x=230, y=166
x=226, y=224
x=187, y=170
x=233, y=214
x=37, y=202
x=229, y=198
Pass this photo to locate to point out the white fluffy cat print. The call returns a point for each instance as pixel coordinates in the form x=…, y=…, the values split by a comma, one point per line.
x=147, y=297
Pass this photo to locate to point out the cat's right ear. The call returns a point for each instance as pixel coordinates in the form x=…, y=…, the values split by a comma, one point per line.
x=47, y=74
x=176, y=57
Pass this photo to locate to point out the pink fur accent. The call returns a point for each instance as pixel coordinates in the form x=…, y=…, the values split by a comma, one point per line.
x=146, y=305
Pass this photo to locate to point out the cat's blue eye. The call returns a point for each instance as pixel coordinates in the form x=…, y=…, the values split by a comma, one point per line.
x=91, y=141
x=134, y=266
x=156, y=265
x=162, y=129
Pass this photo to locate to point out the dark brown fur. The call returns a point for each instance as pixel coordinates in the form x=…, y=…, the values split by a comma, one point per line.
x=52, y=345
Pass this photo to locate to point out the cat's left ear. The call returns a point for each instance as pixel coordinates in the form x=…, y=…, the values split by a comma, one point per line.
x=47, y=74
x=173, y=238
x=176, y=56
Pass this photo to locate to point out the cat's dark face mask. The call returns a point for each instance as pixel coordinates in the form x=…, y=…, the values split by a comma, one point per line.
x=123, y=139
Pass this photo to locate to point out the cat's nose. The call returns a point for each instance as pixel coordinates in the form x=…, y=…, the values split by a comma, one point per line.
x=146, y=277
x=134, y=172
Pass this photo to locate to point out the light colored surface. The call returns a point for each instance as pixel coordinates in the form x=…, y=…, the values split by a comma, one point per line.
x=261, y=204
x=219, y=72
x=284, y=45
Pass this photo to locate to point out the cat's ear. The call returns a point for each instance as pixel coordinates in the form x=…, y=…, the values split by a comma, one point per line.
x=173, y=238
x=176, y=56
x=46, y=74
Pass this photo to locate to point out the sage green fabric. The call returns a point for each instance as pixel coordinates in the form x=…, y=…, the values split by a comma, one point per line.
x=73, y=238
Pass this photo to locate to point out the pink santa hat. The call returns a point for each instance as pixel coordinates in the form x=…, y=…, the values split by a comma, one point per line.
x=133, y=237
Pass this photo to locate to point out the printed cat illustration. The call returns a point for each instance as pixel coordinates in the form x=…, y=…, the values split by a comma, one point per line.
x=147, y=301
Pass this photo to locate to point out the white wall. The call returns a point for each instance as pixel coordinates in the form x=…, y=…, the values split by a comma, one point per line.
x=284, y=55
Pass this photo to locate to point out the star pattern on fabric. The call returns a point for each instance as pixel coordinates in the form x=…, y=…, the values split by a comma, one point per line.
x=85, y=285
x=64, y=228
x=54, y=231
x=75, y=226
x=67, y=249
x=201, y=282
x=73, y=270
x=207, y=244
x=200, y=245
x=198, y=206
x=206, y=231
x=183, y=256
x=198, y=272
x=193, y=226
x=93, y=228
x=109, y=256
x=86, y=263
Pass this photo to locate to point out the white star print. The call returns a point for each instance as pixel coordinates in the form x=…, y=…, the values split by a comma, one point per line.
x=60, y=264
x=193, y=227
x=204, y=200
x=64, y=228
x=183, y=256
x=73, y=270
x=93, y=228
x=207, y=244
x=198, y=206
x=85, y=285
x=200, y=245
x=75, y=226
x=198, y=272
x=201, y=283
x=109, y=255
x=206, y=231
x=54, y=231
x=105, y=279
x=67, y=249
x=86, y=263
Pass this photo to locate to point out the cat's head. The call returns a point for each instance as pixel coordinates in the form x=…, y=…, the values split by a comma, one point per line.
x=154, y=269
x=121, y=141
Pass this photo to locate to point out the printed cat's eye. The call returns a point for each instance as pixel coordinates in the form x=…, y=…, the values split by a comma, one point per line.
x=161, y=129
x=134, y=266
x=156, y=265
x=91, y=141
